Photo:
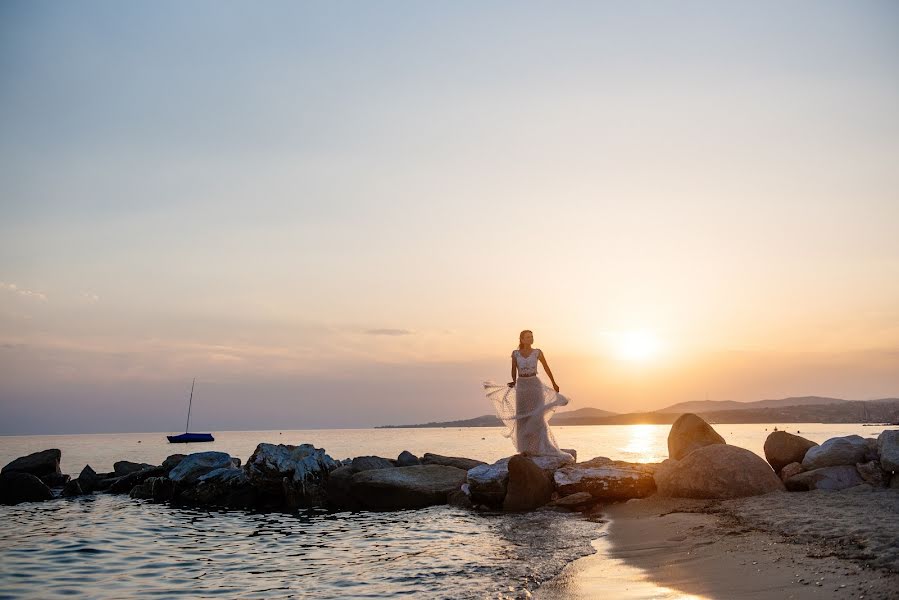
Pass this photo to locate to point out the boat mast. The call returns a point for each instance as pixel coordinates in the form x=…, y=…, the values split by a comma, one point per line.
x=187, y=427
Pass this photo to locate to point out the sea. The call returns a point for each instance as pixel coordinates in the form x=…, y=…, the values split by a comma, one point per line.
x=104, y=546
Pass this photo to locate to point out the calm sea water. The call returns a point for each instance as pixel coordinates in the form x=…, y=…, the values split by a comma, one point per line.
x=114, y=547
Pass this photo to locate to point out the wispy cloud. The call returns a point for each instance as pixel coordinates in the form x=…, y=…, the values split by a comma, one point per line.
x=387, y=331
x=11, y=287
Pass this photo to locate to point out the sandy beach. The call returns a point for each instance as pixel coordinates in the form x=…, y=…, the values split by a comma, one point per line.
x=782, y=545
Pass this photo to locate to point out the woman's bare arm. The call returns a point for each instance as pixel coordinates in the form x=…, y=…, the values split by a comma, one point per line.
x=514, y=371
x=548, y=371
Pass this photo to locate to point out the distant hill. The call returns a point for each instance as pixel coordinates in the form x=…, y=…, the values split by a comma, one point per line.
x=807, y=409
x=696, y=406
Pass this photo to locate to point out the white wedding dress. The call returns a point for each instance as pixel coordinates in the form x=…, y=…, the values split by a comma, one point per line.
x=526, y=408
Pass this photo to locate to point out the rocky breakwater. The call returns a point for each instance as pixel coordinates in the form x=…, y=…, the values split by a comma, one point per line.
x=838, y=463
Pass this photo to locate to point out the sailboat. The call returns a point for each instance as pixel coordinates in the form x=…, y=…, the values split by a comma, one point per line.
x=186, y=437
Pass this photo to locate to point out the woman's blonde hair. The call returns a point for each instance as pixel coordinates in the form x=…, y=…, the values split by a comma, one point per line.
x=521, y=335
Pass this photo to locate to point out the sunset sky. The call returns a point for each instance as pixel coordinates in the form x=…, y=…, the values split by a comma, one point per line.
x=342, y=214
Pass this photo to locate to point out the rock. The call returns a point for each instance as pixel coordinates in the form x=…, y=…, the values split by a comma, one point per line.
x=338, y=486
x=72, y=489
x=39, y=464
x=88, y=480
x=172, y=461
x=125, y=483
x=126, y=467
x=872, y=473
x=367, y=463
x=528, y=485
x=487, y=483
x=405, y=487
x=459, y=499
x=688, y=433
x=846, y=450
x=782, y=448
x=872, y=450
x=227, y=486
x=158, y=489
x=888, y=448
x=894, y=481
x=17, y=486
x=717, y=472
x=834, y=478
x=450, y=461
x=573, y=453
x=608, y=480
x=407, y=459
x=56, y=480
x=575, y=500
x=791, y=469
x=287, y=476
x=195, y=465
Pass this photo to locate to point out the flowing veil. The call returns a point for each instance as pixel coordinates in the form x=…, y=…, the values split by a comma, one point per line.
x=527, y=423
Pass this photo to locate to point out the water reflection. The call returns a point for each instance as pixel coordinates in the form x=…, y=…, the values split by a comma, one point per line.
x=641, y=444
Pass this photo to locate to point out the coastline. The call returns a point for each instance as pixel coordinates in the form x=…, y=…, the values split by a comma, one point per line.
x=781, y=545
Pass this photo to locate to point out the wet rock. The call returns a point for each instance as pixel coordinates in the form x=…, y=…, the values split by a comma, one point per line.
x=790, y=470
x=287, y=476
x=487, y=483
x=337, y=488
x=407, y=459
x=39, y=464
x=450, y=461
x=459, y=499
x=872, y=473
x=782, y=448
x=126, y=467
x=124, y=484
x=405, y=487
x=888, y=448
x=16, y=487
x=56, y=480
x=158, y=489
x=228, y=486
x=845, y=450
x=688, y=433
x=72, y=489
x=607, y=480
x=574, y=501
x=528, y=485
x=195, y=465
x=88, y=480
x=717, y=471
x=839, y=477
x=367, y=463
x=172, y=461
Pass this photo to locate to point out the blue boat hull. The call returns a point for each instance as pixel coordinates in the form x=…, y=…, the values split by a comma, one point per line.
x=185, y=438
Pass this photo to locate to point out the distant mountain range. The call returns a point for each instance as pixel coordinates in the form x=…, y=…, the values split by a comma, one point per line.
x=803, y=409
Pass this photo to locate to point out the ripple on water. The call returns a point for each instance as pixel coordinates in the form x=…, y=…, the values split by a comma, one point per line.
x=105, y=546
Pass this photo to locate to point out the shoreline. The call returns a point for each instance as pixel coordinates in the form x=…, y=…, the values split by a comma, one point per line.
x=762, y=547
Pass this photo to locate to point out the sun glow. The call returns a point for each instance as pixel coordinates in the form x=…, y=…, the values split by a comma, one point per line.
x=635, y=346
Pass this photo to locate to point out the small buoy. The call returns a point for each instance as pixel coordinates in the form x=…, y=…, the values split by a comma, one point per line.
x=483, y=438
x=138, y=441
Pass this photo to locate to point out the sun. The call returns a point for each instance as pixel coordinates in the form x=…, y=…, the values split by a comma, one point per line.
x=637, y=346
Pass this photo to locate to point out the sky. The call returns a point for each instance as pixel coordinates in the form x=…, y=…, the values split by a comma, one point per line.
x=342, y=214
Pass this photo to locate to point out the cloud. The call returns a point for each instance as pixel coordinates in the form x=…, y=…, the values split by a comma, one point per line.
x=387, y=331
x=90, y=297
x=11, y=287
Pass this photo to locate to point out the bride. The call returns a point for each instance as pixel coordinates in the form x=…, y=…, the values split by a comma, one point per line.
x=526, y=404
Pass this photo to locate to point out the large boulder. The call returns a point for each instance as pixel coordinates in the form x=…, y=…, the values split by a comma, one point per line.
x=158, y=489
x=287, y=476
x=405, y=487
x=833, y=478
x=72, y=489
x=367, y=463
x=528, y=486
x=607, y=479
x=126, y=467
x=782, y=448
x=39, y=464
x=888, y=447
x=794, y=468
x=16, y=487
x=338, y=488
x=845, y=450
x=227, y=486
x=88, y=480
x=872, y=473
x=195, y=465
x=688, y=433
x=487, y=483
x=407, y=459
x=450, y=461
x=717, y=471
